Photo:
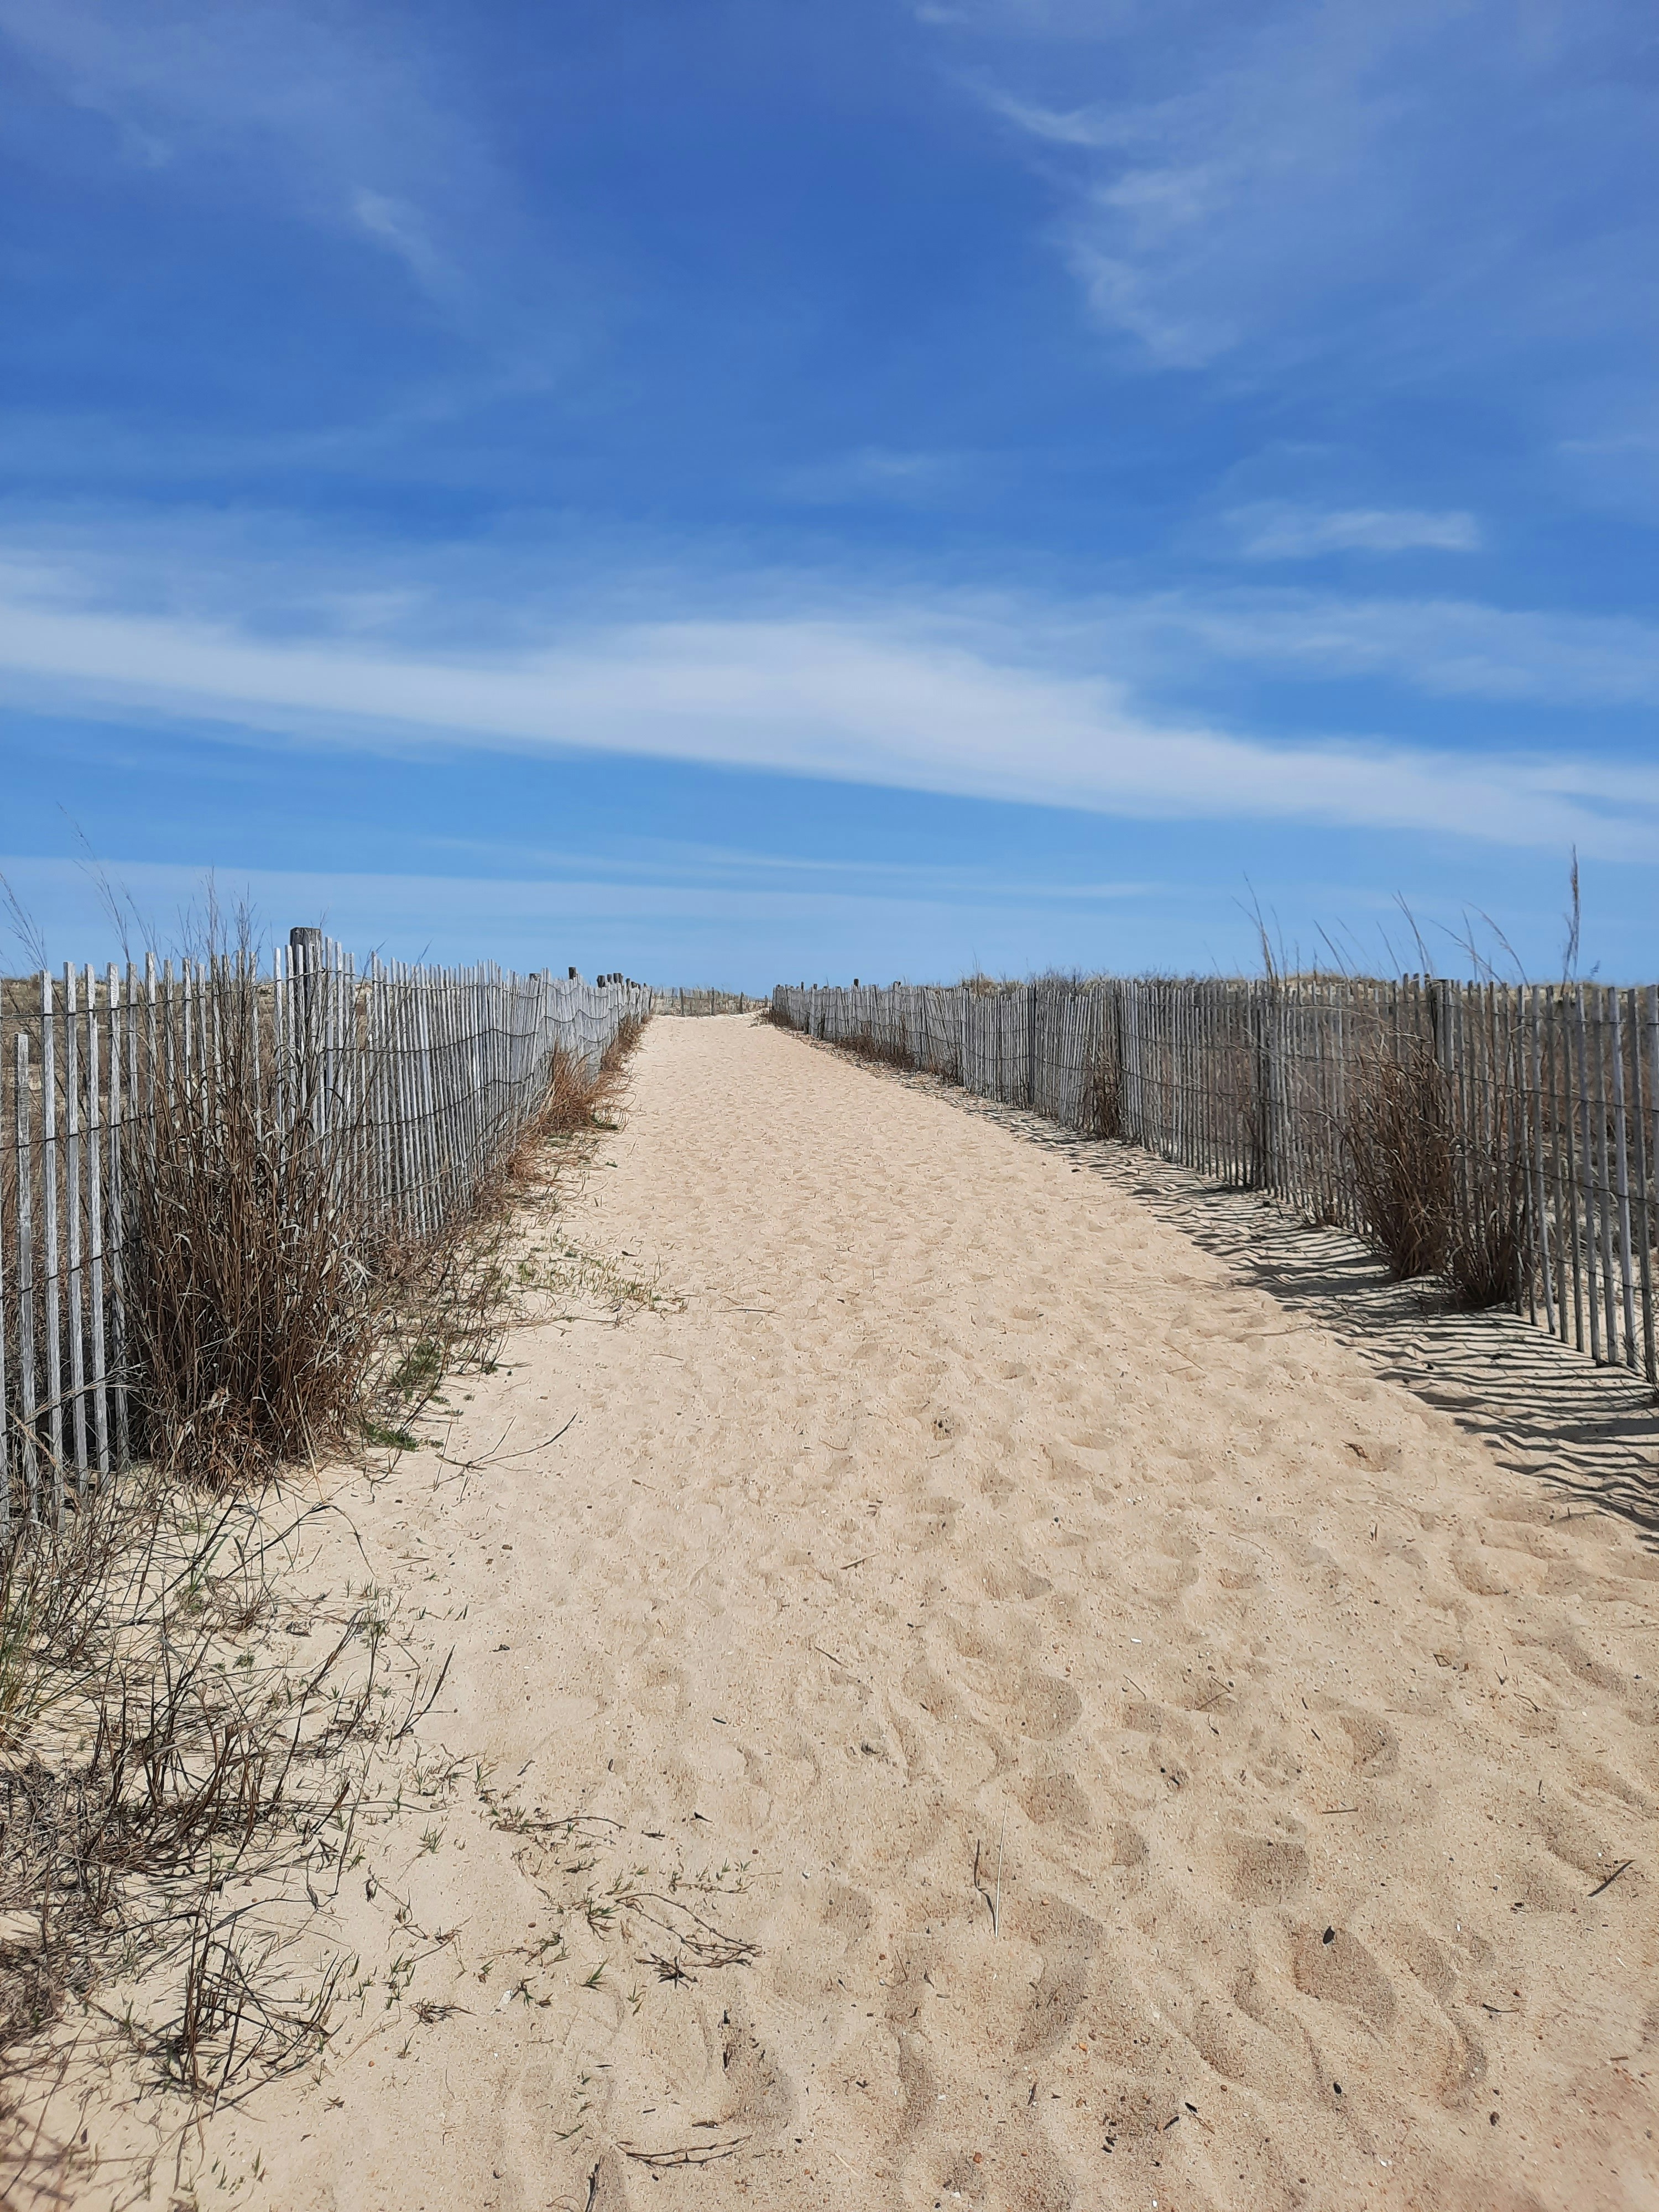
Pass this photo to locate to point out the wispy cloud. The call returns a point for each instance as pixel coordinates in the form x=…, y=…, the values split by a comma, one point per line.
x=1001, y=704
x=1441, y=647
x=1058, y=126
x=400, y=228
x=1276, y=529
x=315, y=108
x=878, y=475
x=1327, y=174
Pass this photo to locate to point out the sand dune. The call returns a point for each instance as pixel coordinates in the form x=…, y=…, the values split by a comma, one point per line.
x=981, y=1707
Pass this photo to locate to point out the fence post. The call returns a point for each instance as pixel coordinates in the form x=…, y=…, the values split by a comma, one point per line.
x=29, y=1401
x=306, y=952
x=1260, y=1007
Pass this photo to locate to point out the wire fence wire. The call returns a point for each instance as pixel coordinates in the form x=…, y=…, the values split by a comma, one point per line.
x=408, y=1086
x=1506, y=1138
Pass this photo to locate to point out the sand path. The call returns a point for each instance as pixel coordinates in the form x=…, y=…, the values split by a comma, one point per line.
x=1157, y=1761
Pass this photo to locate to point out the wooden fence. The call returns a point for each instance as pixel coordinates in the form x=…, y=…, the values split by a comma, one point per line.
x=418, y=1080
x=1544, y=1102
x=704, y=1002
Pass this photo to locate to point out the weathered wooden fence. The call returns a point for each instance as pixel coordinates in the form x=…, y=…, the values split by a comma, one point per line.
x=417, y=1081
x=1546, y=1100
x=704, y=1002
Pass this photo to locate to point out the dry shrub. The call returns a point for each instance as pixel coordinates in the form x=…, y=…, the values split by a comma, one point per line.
x=1441, y=1186
x=614, y=1057
x=1398, y=1140
x=277, y=1306
x=1490, y=1250
x=252, y=1286
x=156, y=1745
x=577, y=1090
x=1103, y=1097
x=887, y=1052
x=572, y=1093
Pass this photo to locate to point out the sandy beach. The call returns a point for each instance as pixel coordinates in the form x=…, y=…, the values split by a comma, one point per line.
x=958, y=1699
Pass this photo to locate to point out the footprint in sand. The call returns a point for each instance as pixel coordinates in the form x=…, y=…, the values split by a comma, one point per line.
x=1335, y=1967
x=1131, y=1856
x=1375, y=1746
x=1266, y=1869
x=1047, y=1705
x=1003, y=1580
x=757, y=2092
x=1051, y=1798
x=1069, y=1941
x=1244, y=2051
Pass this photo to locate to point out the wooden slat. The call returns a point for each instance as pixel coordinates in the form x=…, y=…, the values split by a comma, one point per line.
x=27, y=1383
x=1645, y=1061
x=72, y=1057
x=127, y=1125
x=96, y=1138
x=6, y=1426
x=50, y=1253
x=1622, y=1179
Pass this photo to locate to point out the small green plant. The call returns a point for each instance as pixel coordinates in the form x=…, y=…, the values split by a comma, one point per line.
x=375, y=1432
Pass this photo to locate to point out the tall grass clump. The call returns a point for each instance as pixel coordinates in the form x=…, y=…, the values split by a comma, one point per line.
x=885, y=1052
x=576, y=1095
x=1489, y=1258
x=1398, y=1142
x=1439, y=1176
x=255, y=1273
x=1103, y=1096
x=298, y=1258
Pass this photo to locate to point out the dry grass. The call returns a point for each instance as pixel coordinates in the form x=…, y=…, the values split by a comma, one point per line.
x=1489, y=1252
x=276, y=1311
x=576, y=1095
x=884, y=1052
x=1103, y=1106
x=158, y=1747
x=253, y=1273
x=1440, y=1179
x=1398, y=1142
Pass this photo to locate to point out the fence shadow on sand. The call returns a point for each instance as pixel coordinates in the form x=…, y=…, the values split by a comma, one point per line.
x=1541, y=1409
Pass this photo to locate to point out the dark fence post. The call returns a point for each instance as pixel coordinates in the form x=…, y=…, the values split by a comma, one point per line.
x=305, y=949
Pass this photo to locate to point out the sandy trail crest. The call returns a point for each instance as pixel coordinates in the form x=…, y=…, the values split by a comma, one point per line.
x=984, y=1708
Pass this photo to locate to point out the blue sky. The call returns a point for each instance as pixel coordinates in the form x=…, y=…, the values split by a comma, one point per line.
x=730, y=491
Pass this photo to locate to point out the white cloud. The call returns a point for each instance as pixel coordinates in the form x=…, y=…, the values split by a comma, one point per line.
x=324, y=114
x=1448, y=648
x=398, y=227
x=1120, y=295
x=877, y=474
x=1005, y=703
x=1312, y=175
x=1276, y=529
x=1078, y=127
